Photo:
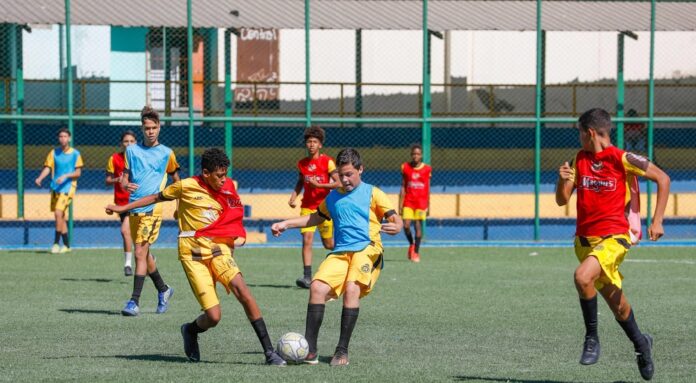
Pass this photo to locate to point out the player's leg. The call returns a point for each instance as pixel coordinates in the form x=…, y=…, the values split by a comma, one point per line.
x=409, y=237
x=623, y=313
x=127, y=245
x=307, y=239
x=149, y=232
x=585, y=277
x=349, y=317
x=319, y=293
x=59, y=217
x=418, y=225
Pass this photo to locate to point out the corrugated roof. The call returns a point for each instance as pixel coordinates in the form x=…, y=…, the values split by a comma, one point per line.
x=366, y=14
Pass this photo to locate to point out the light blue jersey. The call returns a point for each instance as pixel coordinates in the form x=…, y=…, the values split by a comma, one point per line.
x=350, y=213
x=61, y=163
x=148, y=167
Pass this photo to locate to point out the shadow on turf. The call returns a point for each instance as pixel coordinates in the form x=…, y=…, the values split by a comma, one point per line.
x=169, y=358
x=462, y=378
x=85, y=311
x=272, y=286
x=99, y=280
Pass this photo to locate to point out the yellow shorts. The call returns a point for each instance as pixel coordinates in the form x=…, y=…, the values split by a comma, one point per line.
x=609, y=251
x=325, y=228
x=203, y=274
x=60, y=201
x=414, y=214
x=362, y=267
x=144, y=228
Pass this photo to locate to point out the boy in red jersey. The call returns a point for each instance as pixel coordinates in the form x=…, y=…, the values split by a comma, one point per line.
x=317, y=176
x=414, y=198
x=114, y=174
x=601, y=174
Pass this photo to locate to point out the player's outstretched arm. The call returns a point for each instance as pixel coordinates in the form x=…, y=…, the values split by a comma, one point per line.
x=313, y=219
x=147, y=200
x=654, y=173
x=42, y=175
x=394, y=223
x=565, y=184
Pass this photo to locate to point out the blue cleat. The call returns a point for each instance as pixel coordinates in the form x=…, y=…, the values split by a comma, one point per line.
x=163, y=300
x=131, y=309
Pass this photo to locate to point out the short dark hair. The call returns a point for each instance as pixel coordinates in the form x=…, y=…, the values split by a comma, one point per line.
x=149, y=113
x=214, y=159
x=63, y=130
x=349, y=156
x=417, y=146
x=597, y=119
x=315, y=132
x=128, y=133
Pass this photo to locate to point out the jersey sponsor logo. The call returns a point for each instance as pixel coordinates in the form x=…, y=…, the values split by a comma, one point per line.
x=311, y=167
x=415, y=176
x=598, y=184
x=416, y=185
x=597, y=166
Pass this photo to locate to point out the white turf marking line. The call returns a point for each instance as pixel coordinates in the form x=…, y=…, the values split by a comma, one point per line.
x=677, y=261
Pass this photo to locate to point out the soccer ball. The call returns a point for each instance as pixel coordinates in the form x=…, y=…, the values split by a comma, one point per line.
x=293, y=347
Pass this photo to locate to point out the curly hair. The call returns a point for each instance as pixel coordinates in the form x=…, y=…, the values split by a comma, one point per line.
x=315, y=132
x=214, y=159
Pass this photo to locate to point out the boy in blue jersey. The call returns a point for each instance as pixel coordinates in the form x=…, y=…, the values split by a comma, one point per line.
x=145, y=173
x=65, y=165
x=353, y=266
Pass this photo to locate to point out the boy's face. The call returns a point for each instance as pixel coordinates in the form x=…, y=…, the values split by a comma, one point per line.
x=216, y=178
x=151, y=131
x=416, y=155
x=349, y=176
x=313, y=145
x=127, y=140
x=63, y=139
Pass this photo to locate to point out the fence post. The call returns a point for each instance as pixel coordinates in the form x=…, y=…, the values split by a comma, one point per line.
x=651, y=106
x=189, y=62
x=70, y=104
x=620, y=90
x=228, y=100
x=17, y=66
x=537, y=114
x=308, y=93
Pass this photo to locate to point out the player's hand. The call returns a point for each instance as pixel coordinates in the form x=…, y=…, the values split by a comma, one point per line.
x=111, y=209
x=566, y=172
x=313, y=181
x=38, y=182
x=131, y=187
x=292, y=203
x=656, y=231
x=390, y=228
x=278, y=228
x=60, y=180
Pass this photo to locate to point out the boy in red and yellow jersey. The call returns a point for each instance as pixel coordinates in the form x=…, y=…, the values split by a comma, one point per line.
x=414, y=198
x=210, y=223
x=317, y=176
x=602, y=175
x=114, y=175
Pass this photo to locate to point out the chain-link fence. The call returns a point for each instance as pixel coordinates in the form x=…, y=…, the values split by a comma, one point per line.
x=242, y=85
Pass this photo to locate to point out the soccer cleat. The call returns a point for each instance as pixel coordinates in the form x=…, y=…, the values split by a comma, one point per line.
x=190, y=344
x=55, y=249
x=131, y=309
x=312, y=358
x=590, y=351
x=65, y=249
x=303, y=282
x=411, y=250
x=415, y=257
x=127, y=271
x=340, y=358
x=273, y=359
x=644, y=360
x=163, y=300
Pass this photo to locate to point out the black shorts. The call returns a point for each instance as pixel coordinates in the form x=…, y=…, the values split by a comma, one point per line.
x=123, y=216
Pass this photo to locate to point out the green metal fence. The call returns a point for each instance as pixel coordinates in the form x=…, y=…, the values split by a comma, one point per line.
x=494, y=144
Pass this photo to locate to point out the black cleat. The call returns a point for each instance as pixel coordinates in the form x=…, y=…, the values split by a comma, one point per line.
x=273, y=359
x=190, y=344
x=644, y=360
x=303, y=282
x=590, y=351
x=127, y=271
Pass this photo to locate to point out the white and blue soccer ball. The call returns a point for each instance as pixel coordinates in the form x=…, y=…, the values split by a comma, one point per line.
x=293, y=347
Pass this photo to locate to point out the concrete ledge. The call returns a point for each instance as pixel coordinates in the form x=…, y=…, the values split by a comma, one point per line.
x=90, y=206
